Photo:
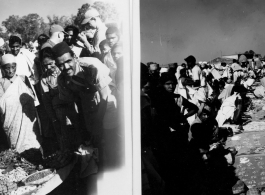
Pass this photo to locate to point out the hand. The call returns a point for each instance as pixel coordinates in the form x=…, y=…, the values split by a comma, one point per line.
x=82, y=37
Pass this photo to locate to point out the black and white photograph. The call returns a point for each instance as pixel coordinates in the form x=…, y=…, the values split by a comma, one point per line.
x=65, y=97
x=202, y=97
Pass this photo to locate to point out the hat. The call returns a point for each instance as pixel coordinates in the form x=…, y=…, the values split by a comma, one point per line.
x=91, y=13
x=236, y=67
x=190, y=59
x=60, y=49
x=7, y=59
x=16, y=35
x=2, y=42
x=56, y=28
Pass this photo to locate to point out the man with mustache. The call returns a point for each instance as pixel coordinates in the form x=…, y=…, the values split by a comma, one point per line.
x=85, y=81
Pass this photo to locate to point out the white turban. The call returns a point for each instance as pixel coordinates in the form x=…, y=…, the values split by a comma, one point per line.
x=8, y=59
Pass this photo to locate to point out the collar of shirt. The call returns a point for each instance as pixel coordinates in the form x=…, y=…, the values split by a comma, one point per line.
x=12, y=79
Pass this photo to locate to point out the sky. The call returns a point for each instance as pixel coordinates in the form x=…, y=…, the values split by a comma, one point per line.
x=174, y=29
x=42, y=7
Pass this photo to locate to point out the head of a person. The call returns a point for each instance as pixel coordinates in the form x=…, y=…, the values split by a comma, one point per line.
x=168, y=81
x=112, y=35
x=15, y=42
x=92, y=19
x=221, y=84
x=42, y=38
x=117, y=52
x=172, y=68
x=71, y=34
x=8, y=65
x=234, y=61
x=223, y=64
x=191, y=61
x=183, y=72
x=57, y=33
x=64, y=59
x=153, y=68
x=104, y=47
x=47, y=60
x=205, y=114
x=184, y=65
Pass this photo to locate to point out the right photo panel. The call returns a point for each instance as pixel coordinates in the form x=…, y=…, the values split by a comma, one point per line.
x=202, y=97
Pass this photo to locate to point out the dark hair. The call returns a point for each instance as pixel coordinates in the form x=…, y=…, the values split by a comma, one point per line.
x=119, y=44
x=149, y=63
x=182, y=72
x=223, y=64
x=113, y=30
x=42, y=38
x=14, y=39
x=235, y=61
x=46, y=53
x=72, y=28
x=102, y=43
x=167, y=76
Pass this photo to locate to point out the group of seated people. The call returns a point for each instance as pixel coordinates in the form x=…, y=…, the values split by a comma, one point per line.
x=187, y=113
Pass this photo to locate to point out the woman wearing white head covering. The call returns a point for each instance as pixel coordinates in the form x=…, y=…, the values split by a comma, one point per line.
x=17, y=109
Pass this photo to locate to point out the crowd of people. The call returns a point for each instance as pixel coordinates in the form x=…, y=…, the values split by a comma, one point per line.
x=64, y=92
x=187, y=113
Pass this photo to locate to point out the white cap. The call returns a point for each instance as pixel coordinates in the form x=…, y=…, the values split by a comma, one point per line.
x=7, y=59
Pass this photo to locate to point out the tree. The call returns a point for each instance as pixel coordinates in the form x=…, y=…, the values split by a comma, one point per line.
x=108, y=11
x=61, y=20
x=81, y=14
x=29, y=27
x=11, y=24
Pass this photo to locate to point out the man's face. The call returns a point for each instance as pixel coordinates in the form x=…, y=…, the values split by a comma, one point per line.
x=70, y=38
x=49, y=65
x=112, y=39
x=204, y=116
x=117, y=53
x=15, y=48
x=9, y=70
x=92, y=23
x=90, y=32
x=170, y=86
x=105, y=49
x=153, y=69
x=190, y=64
x=67, y=64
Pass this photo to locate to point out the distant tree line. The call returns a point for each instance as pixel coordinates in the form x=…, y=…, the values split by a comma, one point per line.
x=32, y=25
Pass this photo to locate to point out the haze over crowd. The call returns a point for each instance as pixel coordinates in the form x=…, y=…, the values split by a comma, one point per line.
x=173, y=29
